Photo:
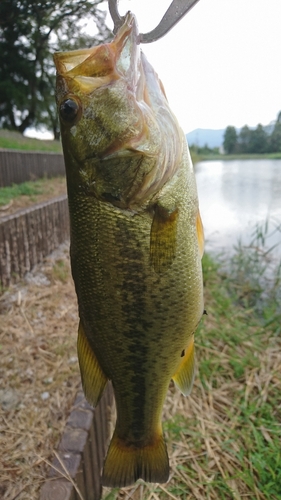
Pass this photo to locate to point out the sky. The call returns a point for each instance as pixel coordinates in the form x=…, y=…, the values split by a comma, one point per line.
x=221, y=64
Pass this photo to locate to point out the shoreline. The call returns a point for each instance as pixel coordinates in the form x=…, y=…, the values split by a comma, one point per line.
x=221, y=157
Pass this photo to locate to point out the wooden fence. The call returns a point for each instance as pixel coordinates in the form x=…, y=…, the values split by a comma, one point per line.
x=30, y=235
x=81, y=452
x=21, y=166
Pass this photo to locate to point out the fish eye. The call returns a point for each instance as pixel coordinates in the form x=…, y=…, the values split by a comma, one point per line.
x=69, y=110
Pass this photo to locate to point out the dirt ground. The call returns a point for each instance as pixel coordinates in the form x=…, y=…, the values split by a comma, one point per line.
x=39, y=374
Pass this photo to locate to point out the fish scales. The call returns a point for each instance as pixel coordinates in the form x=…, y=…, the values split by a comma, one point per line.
x=136, y=245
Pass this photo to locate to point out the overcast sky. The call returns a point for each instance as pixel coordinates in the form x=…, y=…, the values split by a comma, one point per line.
x=221, y=64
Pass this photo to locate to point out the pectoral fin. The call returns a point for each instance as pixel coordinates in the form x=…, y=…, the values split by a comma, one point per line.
x=184, y=376
x=163, y=238
x=93, y=378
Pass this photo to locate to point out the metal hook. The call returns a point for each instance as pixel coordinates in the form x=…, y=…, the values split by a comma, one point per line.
x=175, y=12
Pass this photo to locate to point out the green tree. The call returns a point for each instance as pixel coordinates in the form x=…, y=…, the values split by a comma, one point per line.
x=30, y=32
x=275, y=137
x=258, y=140
x=230, y=140
x=244, y=139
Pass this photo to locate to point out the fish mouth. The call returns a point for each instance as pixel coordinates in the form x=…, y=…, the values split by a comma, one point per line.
x=89, y=69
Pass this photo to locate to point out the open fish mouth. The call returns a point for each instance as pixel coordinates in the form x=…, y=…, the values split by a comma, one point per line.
x=86, y=70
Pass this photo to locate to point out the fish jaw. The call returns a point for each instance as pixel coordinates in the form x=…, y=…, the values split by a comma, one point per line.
x=120, y=140
x=85, y=70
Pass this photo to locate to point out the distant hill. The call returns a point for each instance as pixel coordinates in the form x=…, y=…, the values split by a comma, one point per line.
x=214, y=138
x=202, y=136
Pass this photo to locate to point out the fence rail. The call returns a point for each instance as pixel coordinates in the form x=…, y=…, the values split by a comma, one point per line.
x=81, y=452
x=20, y=166
x=30, y=235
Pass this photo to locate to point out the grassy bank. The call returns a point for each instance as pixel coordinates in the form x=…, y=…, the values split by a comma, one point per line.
x=30, y=189
x=224, y=440
x=17, y=196
x=220, y=157
x=14, y=140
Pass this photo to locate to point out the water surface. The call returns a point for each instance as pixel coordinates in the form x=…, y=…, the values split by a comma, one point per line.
x=235, y=196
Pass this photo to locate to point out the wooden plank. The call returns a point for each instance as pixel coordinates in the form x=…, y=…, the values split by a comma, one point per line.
x=82, y=450
x=65, y=464
x=59, y=489
x=82, y=417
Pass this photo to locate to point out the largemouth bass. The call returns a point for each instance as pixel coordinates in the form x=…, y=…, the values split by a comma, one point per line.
x=136, y=244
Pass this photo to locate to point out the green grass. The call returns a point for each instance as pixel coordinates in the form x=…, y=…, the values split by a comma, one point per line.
x=15, y=140
x=29, y=189
x=60, y=271
x=224, y=441
x=221, y=157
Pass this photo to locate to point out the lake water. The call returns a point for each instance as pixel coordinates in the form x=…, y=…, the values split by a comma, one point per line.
x=234, y=196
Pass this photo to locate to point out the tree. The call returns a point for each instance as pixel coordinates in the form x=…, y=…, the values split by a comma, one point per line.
x=258, y=140
x=230, y=140
x=244, y=139
x=275, y=138
x=30, y=32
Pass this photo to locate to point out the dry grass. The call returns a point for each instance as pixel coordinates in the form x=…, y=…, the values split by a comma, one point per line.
x=39, y=373
x=224, y=441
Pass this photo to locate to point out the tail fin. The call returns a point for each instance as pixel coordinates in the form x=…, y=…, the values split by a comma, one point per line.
x=125, y=464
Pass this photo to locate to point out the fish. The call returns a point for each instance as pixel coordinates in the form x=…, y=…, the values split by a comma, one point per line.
x=136, y=242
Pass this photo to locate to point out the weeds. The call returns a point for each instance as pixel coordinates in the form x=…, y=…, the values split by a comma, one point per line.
x=25, y=189
x=254, y=275
x=60, y=271
x=30, y=190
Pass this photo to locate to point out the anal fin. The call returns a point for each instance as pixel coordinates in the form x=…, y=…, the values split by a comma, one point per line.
x=93, y=378
x=184, y=376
